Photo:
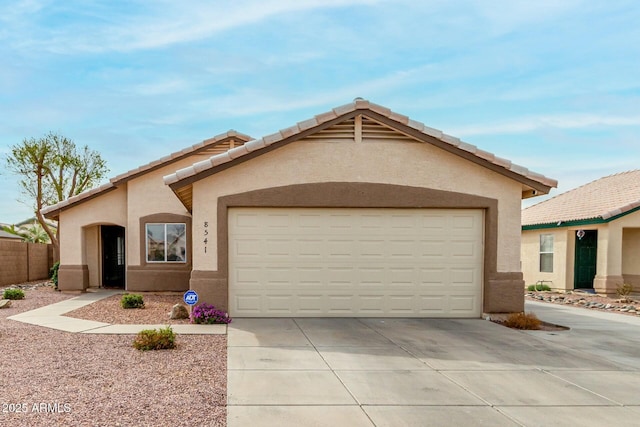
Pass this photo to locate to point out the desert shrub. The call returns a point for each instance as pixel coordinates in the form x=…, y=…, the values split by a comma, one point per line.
x=155, y=339
x=538, y=287
x=13, y=294
x=132, y=301
x=54, y=274
x=624, y=291
x=208, y=314
x=523, y=321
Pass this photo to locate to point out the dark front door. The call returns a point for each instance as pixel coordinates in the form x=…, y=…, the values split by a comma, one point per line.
x=586, y=257
x=113, y=261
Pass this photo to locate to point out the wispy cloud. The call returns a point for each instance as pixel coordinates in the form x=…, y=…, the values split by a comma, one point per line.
x=166, y=23
x=249, y=101
x=561, y=121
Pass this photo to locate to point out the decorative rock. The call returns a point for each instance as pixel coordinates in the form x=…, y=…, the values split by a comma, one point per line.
x=179, y=311
x=5, y=303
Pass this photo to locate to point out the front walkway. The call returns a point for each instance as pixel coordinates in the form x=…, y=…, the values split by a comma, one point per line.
x=52, y=316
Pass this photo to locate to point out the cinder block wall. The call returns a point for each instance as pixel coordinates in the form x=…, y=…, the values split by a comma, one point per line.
x=38, y=261
x=23, y=262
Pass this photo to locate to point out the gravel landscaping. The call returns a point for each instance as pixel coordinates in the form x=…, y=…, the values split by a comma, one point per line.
x=588, y=300
x=156, y=310
x=66, y=379
x=51, y=377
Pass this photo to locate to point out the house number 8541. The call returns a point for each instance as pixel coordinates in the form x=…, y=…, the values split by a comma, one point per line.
x=206, y=235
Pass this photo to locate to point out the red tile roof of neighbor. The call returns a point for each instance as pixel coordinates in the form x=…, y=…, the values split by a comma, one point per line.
x=601, y=199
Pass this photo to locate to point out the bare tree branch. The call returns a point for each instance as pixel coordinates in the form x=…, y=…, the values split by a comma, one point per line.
x=51, y=169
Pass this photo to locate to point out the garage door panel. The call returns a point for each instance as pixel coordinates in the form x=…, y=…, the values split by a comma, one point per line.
x=433, y=304
x=339, y=248
x=308, y=276
x=247, y=303
x=462, y=303
x=247, y=247
x=463, y=249
x=463, y=222
x=355, y=262
x=310, y=248
x=248, y=276
x=371, y=249
x=312, y=301
x=400, y=304
x=433, y=276
x=432, y=249
x=463, y=277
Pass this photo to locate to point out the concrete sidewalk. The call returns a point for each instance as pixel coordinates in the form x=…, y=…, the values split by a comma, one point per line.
x=52, y=316
x=436, y=372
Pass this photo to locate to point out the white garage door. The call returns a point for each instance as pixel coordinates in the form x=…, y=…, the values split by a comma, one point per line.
x=326, y=262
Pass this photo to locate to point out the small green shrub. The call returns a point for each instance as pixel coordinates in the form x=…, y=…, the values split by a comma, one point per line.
x=132, y=301
x=523, y=321
x=538, y=287
x=155, y=339
x=13, y=294
x=54, y=274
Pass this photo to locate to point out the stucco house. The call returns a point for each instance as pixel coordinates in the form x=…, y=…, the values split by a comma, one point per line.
x=588, y=237
x=358, y=211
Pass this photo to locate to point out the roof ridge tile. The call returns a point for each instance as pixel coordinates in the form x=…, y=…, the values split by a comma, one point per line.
x=362, y=104
x=239, y=151
x=308, y=124
x=344, y=109
x=325, y=117
x=256, y=144
x=451, y=140
x=380, y=109
x=272, y=138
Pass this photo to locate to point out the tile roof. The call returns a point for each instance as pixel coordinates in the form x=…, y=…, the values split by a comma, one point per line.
x=601, y=199
x=6, y=235
x=53, y=210
x=358, y=106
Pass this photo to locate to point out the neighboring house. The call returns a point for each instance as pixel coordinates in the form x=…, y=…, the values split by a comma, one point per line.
x=5, y=235
x=588, y=237
x=358, y=211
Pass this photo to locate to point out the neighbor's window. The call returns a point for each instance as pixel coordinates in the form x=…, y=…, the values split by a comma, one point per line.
x=167, y=242
x=546, y=253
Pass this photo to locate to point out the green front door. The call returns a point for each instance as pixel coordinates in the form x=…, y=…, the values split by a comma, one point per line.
x=586, y=256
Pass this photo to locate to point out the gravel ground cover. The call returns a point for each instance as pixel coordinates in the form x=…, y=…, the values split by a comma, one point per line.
x=56, y=378
x=156, y=310
x=588, y=301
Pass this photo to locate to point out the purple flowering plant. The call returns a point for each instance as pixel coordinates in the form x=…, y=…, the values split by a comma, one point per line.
x=207, y=314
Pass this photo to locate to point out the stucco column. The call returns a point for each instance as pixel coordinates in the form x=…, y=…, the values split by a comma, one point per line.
x=609, y=263
x=73, y=274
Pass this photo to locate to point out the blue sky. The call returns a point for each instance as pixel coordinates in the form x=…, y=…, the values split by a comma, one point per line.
x=551, y=85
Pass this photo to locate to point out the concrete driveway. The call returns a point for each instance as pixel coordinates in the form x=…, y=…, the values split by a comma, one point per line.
x=418, y=372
